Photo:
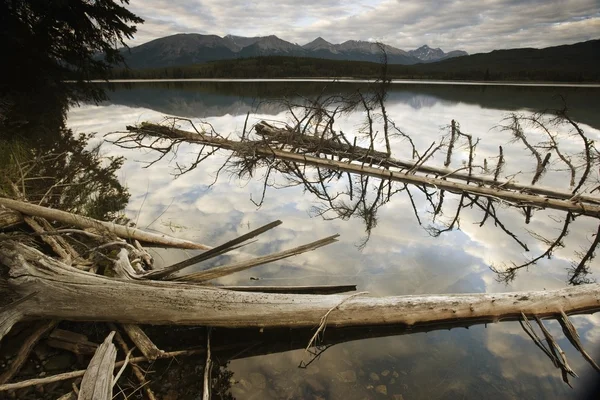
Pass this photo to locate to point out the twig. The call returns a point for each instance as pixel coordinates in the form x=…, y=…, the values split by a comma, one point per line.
x=571, y=333
x=322, y=325
x=76, y=374
x=136, y=370
x=207, y=368
x=125, y=362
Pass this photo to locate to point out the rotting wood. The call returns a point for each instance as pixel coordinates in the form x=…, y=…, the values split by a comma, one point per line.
x=97, y=380
x=9, y=218
x=256, y=149
x=142, y=341
x=82, y=222
x=319, y=289
x=41, y=329
x=71, y=341
x=67, y=293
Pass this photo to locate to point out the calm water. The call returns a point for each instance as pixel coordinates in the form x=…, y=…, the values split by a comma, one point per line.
x=401, y=257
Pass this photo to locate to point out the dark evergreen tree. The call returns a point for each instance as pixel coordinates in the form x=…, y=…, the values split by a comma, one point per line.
x=45, y=43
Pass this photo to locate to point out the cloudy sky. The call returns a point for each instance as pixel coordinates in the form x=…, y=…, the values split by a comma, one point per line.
x=474, y=26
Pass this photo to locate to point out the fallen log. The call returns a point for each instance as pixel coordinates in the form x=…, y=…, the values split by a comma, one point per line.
x=52, y=289
x=369, y=156
x=122, y=231
x=254, y=149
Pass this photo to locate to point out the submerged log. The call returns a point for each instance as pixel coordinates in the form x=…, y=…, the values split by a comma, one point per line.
x=122, y=231
x=370, y=156
x=257, y=149
x=52, y=289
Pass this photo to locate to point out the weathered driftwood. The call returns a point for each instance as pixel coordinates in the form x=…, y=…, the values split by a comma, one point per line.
x=241, y=148
x=71, y=341
x=136, y=370
x=98, y=378
x=54, y=290
x=125, y=270
x=79, y=221
x=382, y=159
x=76, y=374
x=142, y=341
x=9, y=218
x=218, y=272
x=216, y=251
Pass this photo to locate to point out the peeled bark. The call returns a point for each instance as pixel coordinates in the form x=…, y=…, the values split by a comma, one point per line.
x=59, y=291
x=98, y=379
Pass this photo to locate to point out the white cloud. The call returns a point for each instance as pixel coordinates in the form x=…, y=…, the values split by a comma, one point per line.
x=474, y=26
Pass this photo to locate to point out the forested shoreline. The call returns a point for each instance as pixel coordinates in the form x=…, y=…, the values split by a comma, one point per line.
x=561, y=65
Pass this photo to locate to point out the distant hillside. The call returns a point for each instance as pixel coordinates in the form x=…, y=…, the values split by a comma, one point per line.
x=193, y=48
x=575, y=62
x=569, y=63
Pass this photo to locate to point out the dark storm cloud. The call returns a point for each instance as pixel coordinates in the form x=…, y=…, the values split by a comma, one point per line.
x=474, y=26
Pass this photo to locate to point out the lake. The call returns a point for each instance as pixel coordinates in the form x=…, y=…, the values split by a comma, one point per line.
x=400, y=257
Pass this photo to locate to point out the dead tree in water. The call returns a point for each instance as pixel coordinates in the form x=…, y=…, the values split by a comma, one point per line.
x=317, y=161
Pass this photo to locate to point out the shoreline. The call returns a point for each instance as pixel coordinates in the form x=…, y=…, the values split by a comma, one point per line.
x=358, y=80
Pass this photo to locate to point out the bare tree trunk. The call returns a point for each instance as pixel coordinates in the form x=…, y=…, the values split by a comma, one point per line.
x=55, y=290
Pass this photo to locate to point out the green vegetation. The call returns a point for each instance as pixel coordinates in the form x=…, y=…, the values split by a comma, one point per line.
x=44, y=43
x=570, y=63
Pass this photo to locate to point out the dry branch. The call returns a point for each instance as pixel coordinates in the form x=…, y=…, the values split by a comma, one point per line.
x=216, y=251
x=79, y=221
x=9, y=218
x=224, y=270
x=142, y=341
x=76, y=374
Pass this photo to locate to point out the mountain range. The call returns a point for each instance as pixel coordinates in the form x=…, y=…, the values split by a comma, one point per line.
x=193, y=48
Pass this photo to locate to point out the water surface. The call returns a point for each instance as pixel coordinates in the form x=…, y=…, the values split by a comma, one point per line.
x=401, y=257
